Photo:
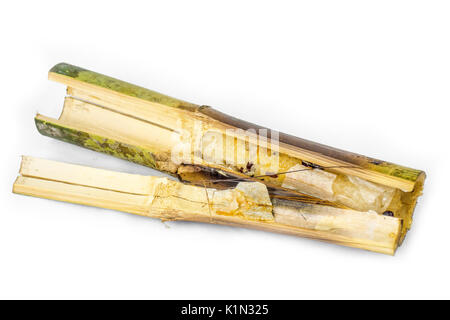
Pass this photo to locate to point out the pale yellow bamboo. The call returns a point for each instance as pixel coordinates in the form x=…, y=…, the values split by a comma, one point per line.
x=248, y=205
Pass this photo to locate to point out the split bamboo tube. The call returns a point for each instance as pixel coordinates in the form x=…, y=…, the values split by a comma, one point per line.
x=205, y=147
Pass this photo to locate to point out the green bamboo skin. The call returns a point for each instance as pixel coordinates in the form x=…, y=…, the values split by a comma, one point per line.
x=98, y=143
x=120, y=86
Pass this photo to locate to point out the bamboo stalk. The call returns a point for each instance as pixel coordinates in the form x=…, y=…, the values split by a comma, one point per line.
x=130, y=122
x=247, y=205
x=107, y=90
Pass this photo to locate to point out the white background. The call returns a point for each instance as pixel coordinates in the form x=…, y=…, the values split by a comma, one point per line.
x=372, y=77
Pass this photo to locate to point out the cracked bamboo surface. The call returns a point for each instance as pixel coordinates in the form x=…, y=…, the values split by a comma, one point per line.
x=246, y=205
